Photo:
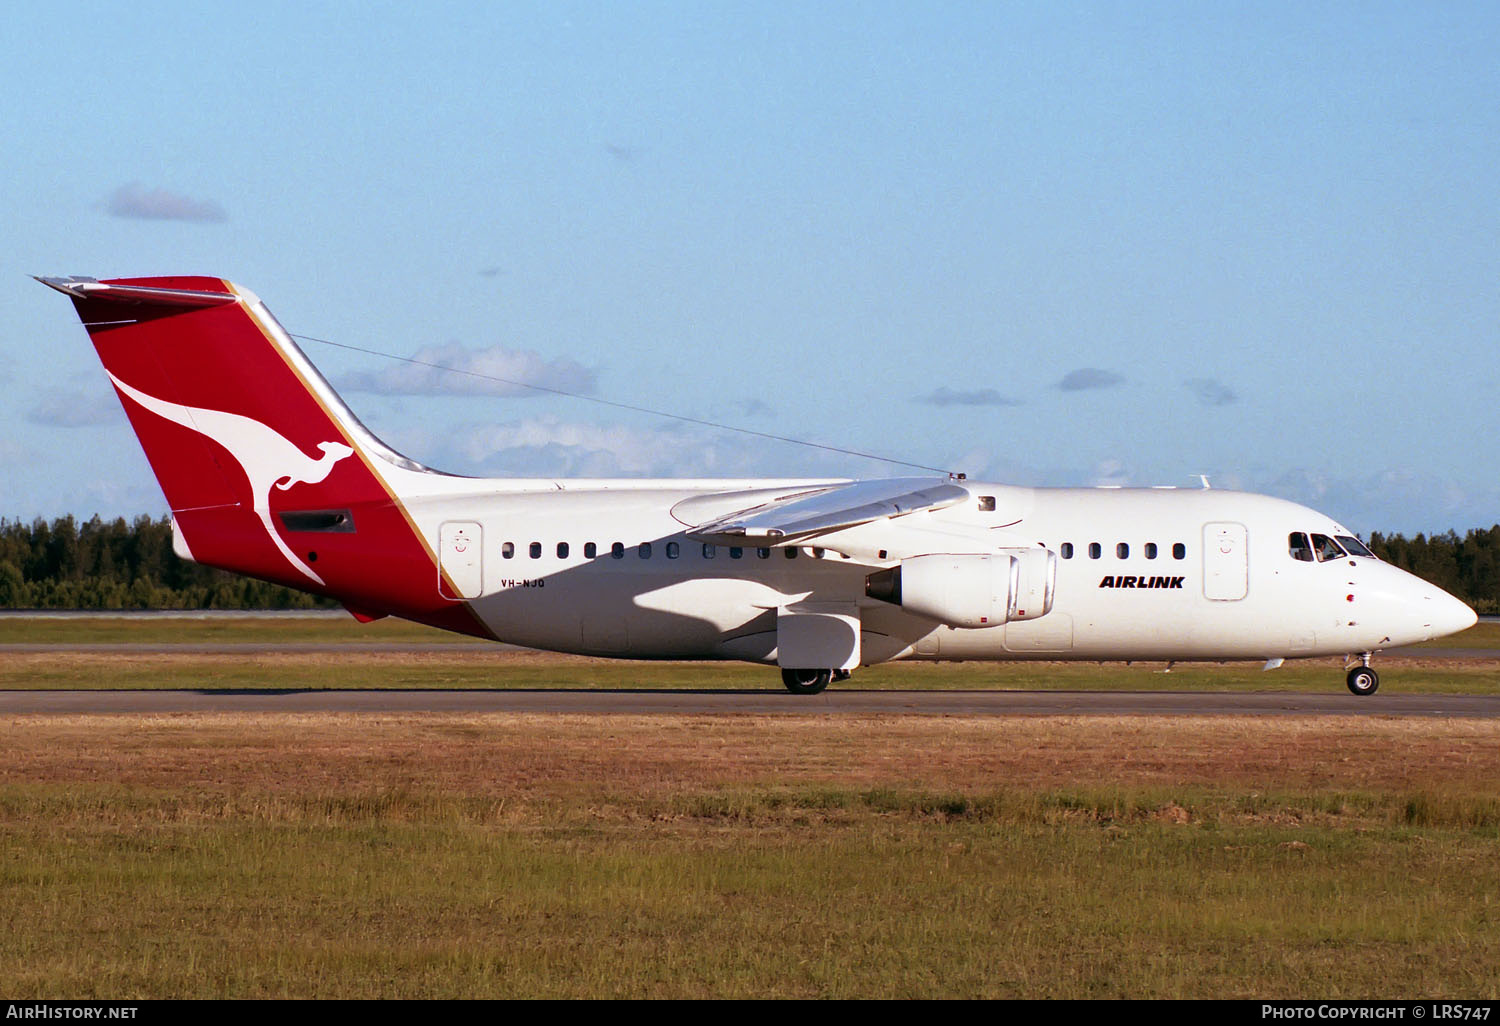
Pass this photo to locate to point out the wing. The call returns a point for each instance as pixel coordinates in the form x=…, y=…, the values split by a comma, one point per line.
x=822, y=510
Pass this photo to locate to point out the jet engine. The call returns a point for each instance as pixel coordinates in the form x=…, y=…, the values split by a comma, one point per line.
x=961, y=590
x=1036, y=580
x=970, y=589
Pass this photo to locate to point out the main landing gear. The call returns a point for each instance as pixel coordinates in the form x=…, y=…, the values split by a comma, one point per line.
x=1362, y=680
x=810, y=682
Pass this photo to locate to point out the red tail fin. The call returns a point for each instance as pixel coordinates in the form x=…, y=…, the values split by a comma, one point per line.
x=265, y=470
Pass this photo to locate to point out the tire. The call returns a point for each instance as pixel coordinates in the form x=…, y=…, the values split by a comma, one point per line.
x=806, y=682
x=1363, y=681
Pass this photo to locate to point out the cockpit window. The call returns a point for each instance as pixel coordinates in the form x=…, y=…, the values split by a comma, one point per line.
x=1298, y=545
x=1326, y=548
x=1355, y=547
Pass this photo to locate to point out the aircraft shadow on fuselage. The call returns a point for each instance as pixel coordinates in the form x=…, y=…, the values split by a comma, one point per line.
x=600, y=607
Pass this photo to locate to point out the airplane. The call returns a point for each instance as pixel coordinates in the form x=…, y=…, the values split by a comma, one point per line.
x=268, y=473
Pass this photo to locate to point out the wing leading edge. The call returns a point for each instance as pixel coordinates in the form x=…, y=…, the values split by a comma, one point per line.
x=824, y=510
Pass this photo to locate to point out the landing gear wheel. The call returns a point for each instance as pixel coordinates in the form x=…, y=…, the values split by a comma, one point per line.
x=806, y=682
x=1363, y=681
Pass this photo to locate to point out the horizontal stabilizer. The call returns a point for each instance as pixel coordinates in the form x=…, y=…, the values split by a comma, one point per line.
x=92, y=289
x=832, y=509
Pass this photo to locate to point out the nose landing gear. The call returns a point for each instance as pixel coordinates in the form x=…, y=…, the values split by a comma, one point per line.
x=1362, y=680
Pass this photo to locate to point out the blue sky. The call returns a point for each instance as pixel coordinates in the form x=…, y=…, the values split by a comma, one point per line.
x=1040, y=243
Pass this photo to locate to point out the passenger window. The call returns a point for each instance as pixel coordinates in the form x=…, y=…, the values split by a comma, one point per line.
x=986, y=504
x=644, y=549
x=763, y=553
x=1094, y=550
x=735, y=552
x=790, y=553
x=617, y=550
x=536, y=550
x=507, y=550
x=590, y=550
x=672, y=550
x=1067, y=550
x=1179, y=551
x=1297, y=544
x=709, y=551
x=817, y=552
x=1151, y=550
x=562, y=550
x=1326, y=548
x=1122, y=551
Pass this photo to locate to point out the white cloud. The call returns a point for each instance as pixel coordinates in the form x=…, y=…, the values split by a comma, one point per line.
x=562, y=445
x=548, y=446
x=116, y=499
x=945, y=396
x=136, y=201
x=1085, y=378
x=1403, y=501
x=1111, y=472
x=63, y=408
x=1211, y=392
x=453, y=369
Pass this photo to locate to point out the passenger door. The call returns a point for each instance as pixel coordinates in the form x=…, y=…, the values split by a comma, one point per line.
x=1226, y=564
x=460, y=553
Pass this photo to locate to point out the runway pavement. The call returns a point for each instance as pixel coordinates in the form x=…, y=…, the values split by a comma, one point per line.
x=835, y=701
x=252, y=647
x=352, y=647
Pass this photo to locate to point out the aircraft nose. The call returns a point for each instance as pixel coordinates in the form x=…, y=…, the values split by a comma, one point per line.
x=1448, y=615
x=1412, y=610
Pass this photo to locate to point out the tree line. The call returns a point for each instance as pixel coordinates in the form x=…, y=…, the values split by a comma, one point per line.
x=1467, y=566
x=112, y=564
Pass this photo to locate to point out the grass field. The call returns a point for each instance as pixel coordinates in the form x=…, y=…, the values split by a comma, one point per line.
x=470, y=670
x=452, y=855
x=496, y=667
x=120, y=630
x=437, y=856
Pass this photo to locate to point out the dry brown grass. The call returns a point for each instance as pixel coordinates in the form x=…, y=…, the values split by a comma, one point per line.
x=569, y=754
x=260, y=668
x=497, y=656
x=504, y=855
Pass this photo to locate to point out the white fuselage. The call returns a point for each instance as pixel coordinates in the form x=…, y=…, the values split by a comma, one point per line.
x=816, y=576
x=1142, y=574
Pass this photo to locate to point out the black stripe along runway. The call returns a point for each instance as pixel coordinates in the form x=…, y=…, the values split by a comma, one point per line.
x=835, y=701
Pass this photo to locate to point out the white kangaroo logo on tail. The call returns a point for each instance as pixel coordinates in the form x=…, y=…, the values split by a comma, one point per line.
x=265, y=455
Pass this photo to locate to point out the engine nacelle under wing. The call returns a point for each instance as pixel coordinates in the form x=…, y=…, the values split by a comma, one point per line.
x=1036, y=580
x=971, y=589
x=958, y=589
